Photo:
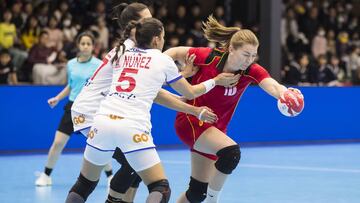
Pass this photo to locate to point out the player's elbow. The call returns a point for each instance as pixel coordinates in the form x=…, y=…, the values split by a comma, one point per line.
x=189, y=95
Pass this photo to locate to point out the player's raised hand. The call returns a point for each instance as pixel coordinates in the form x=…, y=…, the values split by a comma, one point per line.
x=53, y=102
x=227, y=79
x=206, y=114
x=189, y=69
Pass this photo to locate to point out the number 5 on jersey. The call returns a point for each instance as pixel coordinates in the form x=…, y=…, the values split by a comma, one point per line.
x=126, y=75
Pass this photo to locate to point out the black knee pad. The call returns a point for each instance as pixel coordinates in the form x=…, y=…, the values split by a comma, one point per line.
x=83, y=186
x=163, y=187
x=124, y=178
x=197, y=191
x=119, y=156
x=136, y=182
x=228, y=159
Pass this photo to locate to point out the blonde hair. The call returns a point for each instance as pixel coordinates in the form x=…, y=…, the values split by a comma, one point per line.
x=226, y=36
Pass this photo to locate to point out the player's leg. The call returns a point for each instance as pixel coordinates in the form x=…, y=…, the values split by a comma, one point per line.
x=201, y=172
x=147, y=164
x=108, y=168
x=214, y=141
x=55, y=150
x=125, y=182
x=93, y=163
x=62, y=134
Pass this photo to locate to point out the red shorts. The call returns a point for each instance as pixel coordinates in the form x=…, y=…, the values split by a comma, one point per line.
x=189, y=128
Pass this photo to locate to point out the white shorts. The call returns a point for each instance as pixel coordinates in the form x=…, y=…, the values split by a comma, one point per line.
x=109, y=132
x=138, y=160
x=81, y=121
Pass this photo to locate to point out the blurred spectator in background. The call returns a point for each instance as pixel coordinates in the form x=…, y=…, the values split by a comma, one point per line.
x=30, y=33
x=27, y=11
x=342, y=44
x=41, y=61
x=297, y=72
x=354, y=65
x=62, y=11
x=310, y=23
x=326, y=76
x=7, y=31
x=17, y=19
x=42, y=12
x=9, y=39
x=102, y=33
x=7, y=70
x=338, y=69
x=319, y=43
x=56, y=36
x=331, y=42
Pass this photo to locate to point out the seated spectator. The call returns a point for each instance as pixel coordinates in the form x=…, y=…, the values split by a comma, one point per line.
x=298, y=71
x=30, y=33
x=326, y=76
x=42, y=63
x=354, y=64
x=7, y=70
x=9, y=38
x=319, y=43
x=337, y=68
x=7, y=31
x=55, y=34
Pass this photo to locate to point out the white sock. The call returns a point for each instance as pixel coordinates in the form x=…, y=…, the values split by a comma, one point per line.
x=212, y=196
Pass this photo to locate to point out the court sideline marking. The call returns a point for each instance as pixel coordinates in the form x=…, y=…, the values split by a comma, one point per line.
x=298, y=168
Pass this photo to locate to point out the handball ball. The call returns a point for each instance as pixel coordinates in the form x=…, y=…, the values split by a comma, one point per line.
x=291, y=102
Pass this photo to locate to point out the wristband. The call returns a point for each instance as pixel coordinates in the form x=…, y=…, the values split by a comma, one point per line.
x=209, y=85
x=201, y=113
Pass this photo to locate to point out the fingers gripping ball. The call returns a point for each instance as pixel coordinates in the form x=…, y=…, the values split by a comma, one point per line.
x=291, y=102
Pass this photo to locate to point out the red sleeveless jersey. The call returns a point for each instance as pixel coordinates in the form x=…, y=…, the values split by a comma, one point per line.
x=222, y=100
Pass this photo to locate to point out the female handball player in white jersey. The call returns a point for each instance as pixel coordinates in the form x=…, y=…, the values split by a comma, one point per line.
x=123, y=119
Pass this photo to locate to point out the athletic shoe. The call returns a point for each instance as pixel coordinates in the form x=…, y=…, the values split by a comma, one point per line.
x=43, y=180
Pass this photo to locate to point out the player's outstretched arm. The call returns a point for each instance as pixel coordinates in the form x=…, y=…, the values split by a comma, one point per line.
x=272, y=87
x=174, y=102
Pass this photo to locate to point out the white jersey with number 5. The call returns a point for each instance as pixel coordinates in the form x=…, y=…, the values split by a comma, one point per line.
x=88, y=101
x=137, y=79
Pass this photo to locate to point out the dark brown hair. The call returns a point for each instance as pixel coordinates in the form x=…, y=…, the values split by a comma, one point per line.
x=124, y=13
x=86, y=33
x=126, y=16
x=146, y=30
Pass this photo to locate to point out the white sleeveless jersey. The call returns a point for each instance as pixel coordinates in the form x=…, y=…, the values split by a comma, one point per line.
x=137, y=79
x=97, y=87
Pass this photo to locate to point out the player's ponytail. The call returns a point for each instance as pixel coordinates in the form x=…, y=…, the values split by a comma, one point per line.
x=215, y=32
x=123, y=14
x=226, y=36
x=126, y=34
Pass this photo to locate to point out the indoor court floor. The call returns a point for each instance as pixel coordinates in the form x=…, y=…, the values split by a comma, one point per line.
x=267, y=174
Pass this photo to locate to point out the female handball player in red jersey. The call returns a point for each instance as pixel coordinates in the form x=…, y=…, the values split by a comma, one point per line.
x=214, y=155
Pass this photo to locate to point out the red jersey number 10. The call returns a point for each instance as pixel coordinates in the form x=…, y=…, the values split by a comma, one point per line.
x=126, y=76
